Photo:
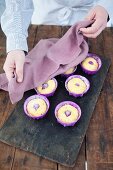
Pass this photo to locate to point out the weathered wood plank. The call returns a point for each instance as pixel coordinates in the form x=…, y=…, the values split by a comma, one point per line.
x=99, y=138
x=6, y=152
x=2, y=42
x=80, y=162
x=35, y=162
x=6, y=156
x=28, y=161
x=108, y=83
x=32, y=31
x=47, y=31
x=51, y=140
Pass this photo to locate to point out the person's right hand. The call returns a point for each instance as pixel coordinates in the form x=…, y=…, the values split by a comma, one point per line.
x=14, y=64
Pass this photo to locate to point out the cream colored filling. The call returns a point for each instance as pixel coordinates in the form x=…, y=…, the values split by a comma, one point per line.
x=89, y=66
x=51, y=87
x=40, y=111
x=72, y=87
x=68, y=119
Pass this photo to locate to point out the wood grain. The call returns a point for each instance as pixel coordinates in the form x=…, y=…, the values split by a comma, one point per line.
x=47, y=31
x=80, y=162
x=46, y=137
x=99, y=138
x=32, y=31
x=26, y=160
x=2, y=42
x=6, y=152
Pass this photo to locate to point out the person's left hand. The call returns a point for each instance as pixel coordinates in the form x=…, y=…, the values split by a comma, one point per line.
x=100, y=16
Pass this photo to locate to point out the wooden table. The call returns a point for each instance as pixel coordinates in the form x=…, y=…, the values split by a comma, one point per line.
x=97, y=149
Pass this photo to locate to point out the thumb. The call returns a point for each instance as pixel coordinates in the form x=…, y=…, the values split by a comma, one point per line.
x=19, y=71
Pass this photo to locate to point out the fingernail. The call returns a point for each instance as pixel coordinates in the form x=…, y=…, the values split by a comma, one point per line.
x=19, y=80
x=81, y=29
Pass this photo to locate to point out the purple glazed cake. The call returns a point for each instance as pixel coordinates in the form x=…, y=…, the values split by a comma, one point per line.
x=48, y=88
x=77, y=85
x=91, y=64
x=67, y=113
x=36, y=106
x=70, y=71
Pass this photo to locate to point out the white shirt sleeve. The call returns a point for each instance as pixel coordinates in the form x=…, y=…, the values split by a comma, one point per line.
x=15, y=21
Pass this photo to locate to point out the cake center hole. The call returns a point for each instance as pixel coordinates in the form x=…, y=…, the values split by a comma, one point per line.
x=36, y=106
x=77, y=84
x=90, y=62
x=67, y=113
x=45, y=85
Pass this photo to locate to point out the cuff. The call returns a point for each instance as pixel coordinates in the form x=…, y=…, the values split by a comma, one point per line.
x=16, y=42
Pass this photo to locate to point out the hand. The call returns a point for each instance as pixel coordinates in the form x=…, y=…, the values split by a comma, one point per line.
x=100, y=16
x=14, y=63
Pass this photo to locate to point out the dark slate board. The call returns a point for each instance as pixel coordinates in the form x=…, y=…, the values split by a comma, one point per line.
x=46, y=137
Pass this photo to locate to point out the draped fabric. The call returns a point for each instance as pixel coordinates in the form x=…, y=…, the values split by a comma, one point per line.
x=50, y=57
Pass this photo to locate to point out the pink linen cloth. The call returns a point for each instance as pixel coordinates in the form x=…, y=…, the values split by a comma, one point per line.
x=50, y=57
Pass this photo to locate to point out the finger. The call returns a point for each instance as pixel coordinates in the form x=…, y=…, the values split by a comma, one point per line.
x=19, y=71
x=93, y=29
x=9, y=73
x=95, y=34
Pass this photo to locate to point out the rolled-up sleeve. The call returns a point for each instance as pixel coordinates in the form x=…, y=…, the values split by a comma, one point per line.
x=15, y=22
x=108, y=5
